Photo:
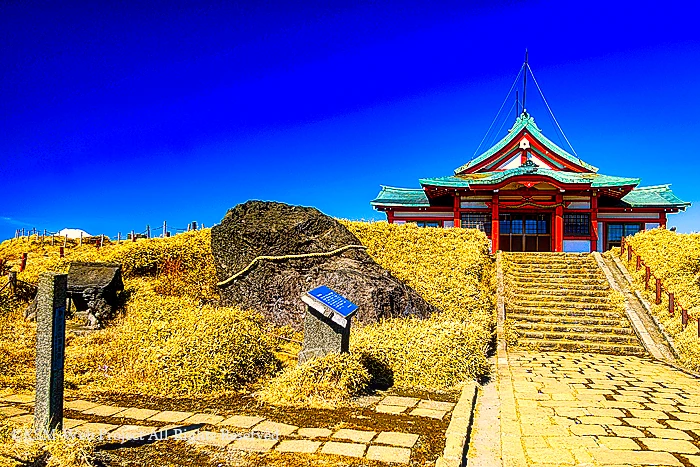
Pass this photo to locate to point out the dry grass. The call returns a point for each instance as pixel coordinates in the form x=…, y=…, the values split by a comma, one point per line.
x=323, y=382
x=675, y=259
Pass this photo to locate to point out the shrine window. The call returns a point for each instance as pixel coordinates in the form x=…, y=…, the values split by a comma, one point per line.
x=477, y=220
x=577, y=224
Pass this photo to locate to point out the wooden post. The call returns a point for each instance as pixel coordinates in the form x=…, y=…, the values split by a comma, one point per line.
x=119, y=237
x=52, y=239
x=629, y=254
x=65, y=241
x=698, y=326
x=12, y=278
x=23, y=265
x=671, y=304
x=148, y=231
x=658, y=291
x=194, y=225
x=647, y=276
x=61, y=252
x=81, y=238
x=494, y=224
x=102, y=240
x=165, y=229
x=684, y=317
x=639, y=262
x=133, y=236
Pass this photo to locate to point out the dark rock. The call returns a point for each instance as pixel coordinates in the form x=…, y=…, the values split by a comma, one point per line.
x=95, y=287
x=274, y=287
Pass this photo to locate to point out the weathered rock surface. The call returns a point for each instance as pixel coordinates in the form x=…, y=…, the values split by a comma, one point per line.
x=274, y=287
x=94, y=287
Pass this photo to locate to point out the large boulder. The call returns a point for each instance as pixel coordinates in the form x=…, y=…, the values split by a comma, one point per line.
x=274, y=287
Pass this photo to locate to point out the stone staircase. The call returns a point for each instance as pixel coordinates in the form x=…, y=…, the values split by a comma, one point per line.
x=562, y=301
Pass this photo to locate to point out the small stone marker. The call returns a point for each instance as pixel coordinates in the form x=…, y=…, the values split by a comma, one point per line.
x=326, y=323
x=50, y=352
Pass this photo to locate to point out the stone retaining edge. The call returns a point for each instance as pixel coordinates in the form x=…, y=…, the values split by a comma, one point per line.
x=459, y=429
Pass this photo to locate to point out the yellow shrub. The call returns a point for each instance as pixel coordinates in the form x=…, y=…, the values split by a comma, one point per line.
x=322, y=382
x=675, y=259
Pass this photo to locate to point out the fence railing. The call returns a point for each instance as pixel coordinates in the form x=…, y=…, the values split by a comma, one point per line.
x=659, y=288
x=161, y=231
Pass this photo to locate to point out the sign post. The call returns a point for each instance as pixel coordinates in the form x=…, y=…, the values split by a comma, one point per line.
x=50, y=352
x=326, y=323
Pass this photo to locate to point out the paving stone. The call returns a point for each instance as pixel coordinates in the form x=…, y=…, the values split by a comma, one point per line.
x=683, y=425
x=651, y=414
x=343, y=449
x=70, y=423
x=591, y=420
x=279, y=429
x=588, y=430
x=535, y=442
x=11, y=411
x=430, y=413
x=436, y=405
x=136, y=413
x=366, y=401
x=170, y=416
x=627, y=432
x=358, y=436
x=298, y=445
x=611, y=442
x=252, y=444
x=670, y=445
x=242, y=421
x=128, y=432
x=104, y=410
x=20, y=398
x=694, y=460
x=22, y=419
x=389, y=454
x=400, y=401
x=96, y=429
x=643, y=422
x=551, y=456
x=688, y=417
x=690, y=409
x=204, y=418
x=212, y=438
x=669, y=434
x=314, y=432
x=394, y=438
x=391, y=409
x=570, y=442
x=79, y=405
x=598, y=412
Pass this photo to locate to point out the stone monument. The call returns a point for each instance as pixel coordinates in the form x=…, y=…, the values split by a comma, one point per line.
x=326, y=323
x=50, y=352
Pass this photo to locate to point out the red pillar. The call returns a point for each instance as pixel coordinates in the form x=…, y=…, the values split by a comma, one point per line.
x=390, y=217
x=662, y=220
x=494, y=223
x=458, y=221
x=594, y=222
x=559, y=224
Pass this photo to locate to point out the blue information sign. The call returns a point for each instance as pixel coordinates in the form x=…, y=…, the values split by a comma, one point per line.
x=333, y=300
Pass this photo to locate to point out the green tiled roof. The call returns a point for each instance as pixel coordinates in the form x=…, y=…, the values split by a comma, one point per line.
x=527, y=122
x=390, y=196
x=653, y=196
x=488, y=178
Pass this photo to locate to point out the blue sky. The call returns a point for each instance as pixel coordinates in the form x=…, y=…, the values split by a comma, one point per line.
x=114, y=116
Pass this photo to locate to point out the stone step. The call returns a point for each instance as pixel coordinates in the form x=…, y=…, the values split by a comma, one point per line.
x=551, y=275
x=560, y=294
x=573, y=346
x=562, y=312
x=567, y=320
x=553, y=266
x=572, y=336
x=621, y=329
x=598, y=304
x=557, y=284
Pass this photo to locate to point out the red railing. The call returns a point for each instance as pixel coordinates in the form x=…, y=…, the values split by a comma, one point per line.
x=659, y=287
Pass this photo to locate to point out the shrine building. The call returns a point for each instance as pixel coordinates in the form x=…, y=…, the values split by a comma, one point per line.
x=528, y=194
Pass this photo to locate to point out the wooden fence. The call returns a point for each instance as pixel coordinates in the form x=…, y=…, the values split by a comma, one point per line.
x=659, y=288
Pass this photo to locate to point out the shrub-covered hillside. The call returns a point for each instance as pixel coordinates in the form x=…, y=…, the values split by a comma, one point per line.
x=173, y=338
x=675, y=259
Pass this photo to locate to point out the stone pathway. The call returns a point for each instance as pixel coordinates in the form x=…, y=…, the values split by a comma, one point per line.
x=561, y=408
x=239, y=432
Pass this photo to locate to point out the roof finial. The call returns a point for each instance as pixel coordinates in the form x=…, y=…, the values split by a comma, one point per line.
x=525, y=68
